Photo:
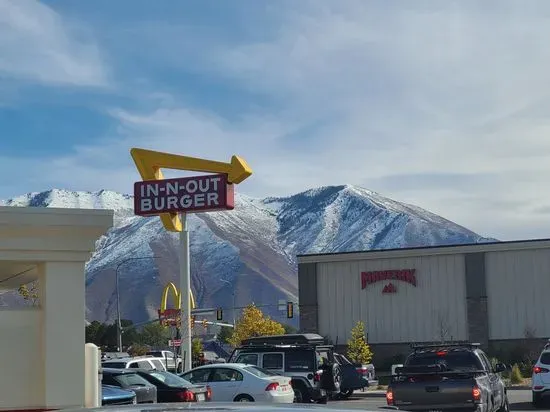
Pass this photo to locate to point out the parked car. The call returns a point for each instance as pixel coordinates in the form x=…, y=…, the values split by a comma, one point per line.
x=540, y=382
x=145, y=391
x=352, y=376
x=138, y=362
x=171, y=361
x=448, y=377
x=237, y=382
x=305, y=358
x=112, y=395
x=173, y=388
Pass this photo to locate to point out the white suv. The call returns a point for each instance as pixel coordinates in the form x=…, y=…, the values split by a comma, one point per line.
x=541, y=376
x=147, y=363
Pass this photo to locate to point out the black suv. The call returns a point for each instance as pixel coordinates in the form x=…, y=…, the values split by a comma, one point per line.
x=305, y=358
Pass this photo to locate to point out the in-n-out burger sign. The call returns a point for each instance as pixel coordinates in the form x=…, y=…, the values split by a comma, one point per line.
x=404, y=275
x=187, y=194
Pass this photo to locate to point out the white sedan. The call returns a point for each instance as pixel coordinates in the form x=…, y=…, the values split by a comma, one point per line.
x=239, y=382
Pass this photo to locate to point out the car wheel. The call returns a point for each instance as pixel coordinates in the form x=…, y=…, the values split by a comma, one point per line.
x=244, y=398
x=337, y=377
x=298, y=396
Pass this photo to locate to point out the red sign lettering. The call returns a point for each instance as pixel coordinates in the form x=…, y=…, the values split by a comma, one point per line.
x=404, y=275
x=389, y=288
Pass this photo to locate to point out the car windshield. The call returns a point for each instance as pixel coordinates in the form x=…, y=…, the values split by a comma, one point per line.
x=259, y=372
x=170, y=379
x=453, y=361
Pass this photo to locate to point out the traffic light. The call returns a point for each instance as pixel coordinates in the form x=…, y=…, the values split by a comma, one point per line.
x=192, y=321
x=219, y=314
x=205, y=324
x=289, y=310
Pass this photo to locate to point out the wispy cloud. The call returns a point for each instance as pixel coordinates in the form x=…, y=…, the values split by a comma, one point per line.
x=441, y=104
x=38, y=45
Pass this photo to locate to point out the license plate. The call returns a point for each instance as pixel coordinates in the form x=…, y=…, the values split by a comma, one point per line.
x=284, y=388
x=200, y=397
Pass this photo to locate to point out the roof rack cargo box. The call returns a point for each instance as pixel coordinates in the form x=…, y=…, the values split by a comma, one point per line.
x=291, y=339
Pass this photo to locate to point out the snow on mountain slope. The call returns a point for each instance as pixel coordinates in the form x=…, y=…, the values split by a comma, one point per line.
x=249, y=251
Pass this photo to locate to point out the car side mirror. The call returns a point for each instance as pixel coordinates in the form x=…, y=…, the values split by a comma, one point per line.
x=500, y=367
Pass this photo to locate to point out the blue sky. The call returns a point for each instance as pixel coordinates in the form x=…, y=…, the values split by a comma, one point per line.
x=441, y=104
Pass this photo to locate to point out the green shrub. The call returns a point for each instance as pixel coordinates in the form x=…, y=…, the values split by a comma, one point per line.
x=515, y=376
x=526, y=369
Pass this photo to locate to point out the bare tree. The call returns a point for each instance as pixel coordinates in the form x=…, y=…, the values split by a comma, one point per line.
x=443, y=326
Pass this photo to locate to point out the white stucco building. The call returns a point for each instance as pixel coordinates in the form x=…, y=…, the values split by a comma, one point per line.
x=42, y=347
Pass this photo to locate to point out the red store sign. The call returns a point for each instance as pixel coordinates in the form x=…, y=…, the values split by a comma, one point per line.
x=404, y=275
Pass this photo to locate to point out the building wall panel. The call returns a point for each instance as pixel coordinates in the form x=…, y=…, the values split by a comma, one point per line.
x=517, y=286
x=412, y=314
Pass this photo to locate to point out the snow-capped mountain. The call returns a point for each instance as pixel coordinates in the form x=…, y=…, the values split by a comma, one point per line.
x=250, y=250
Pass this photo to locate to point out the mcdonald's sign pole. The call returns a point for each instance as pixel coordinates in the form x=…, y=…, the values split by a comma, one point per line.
x=185, y=286
x=173, y=199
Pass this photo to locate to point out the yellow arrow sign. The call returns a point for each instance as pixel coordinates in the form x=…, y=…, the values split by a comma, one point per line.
x=149, y=163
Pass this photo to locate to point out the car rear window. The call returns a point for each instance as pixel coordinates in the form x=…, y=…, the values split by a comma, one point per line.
x=454, y=361
x=130, y=379
x=169, y=379
x=545, y=358
x=158, y=364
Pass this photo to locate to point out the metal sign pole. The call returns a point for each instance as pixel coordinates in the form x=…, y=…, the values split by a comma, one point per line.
x=185, y=287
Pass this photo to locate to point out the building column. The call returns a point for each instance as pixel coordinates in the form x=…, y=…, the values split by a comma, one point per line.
x=476, y=299
x=307, y=295
x=62, y=301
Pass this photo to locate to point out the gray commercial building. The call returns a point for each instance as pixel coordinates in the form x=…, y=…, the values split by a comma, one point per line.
x=491, y=293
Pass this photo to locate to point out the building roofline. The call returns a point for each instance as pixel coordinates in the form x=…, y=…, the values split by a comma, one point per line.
x=423, y=250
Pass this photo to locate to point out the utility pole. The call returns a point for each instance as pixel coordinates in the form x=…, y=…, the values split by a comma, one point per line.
x=232, y=294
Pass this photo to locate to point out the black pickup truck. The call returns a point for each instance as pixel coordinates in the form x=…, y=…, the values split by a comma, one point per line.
x=443, y=377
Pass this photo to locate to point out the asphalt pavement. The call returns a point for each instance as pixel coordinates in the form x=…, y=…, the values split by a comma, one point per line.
x=520, y=400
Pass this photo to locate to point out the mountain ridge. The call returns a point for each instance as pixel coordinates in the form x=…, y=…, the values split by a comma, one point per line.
x=249, y=252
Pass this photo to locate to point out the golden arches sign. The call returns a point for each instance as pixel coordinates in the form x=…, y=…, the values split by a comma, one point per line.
x=170, y=287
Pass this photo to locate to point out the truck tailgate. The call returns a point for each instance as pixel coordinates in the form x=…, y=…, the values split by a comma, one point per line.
x=434, y=393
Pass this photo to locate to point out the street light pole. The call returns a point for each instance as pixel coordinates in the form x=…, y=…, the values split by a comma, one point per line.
x=233, y=294
x=118, y=321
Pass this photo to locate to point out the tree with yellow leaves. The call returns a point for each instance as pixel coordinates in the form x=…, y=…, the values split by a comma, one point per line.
x=254, y=323
x=30, y=293
x=358, y=348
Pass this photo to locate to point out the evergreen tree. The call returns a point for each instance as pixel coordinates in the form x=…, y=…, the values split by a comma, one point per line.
x=358, y=348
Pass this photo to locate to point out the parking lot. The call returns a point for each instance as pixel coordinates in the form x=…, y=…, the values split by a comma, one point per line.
x=520, y=400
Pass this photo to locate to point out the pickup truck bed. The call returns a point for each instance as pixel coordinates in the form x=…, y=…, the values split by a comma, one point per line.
x=436, y=390
x=455, y=378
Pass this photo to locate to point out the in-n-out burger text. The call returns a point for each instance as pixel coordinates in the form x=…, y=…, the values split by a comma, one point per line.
x=405, y=275
x=186, y=194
